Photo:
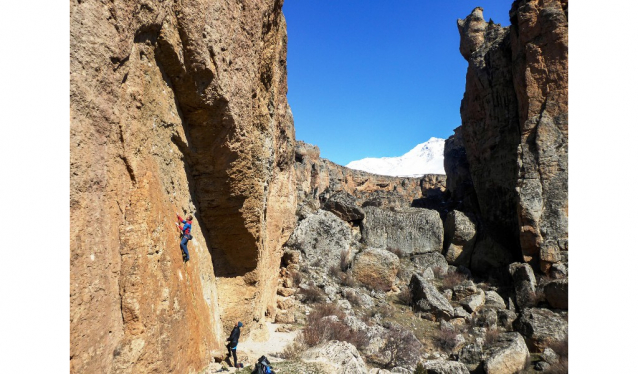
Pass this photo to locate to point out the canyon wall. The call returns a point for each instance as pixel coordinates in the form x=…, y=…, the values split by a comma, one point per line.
x=319, y=178
x=175, y=107
x=514, y=129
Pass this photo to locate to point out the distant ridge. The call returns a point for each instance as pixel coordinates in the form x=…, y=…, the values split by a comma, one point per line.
x=425, y=158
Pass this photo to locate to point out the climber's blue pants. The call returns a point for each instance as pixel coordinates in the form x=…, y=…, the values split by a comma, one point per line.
x=184, y=248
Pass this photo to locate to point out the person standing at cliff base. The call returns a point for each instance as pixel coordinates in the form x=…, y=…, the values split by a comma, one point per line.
x=233, y=340
x=185, y=234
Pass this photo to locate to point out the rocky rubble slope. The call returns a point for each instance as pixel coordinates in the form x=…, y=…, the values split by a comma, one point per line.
x=175, y=106
x=512, y=145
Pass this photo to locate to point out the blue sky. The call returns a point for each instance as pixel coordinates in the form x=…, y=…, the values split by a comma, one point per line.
x=371, y=78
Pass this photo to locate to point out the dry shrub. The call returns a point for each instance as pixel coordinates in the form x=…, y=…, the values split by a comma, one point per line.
x=401, y=346
x=311, y=294
x=320, y=329
x=297, y=278
x=452, y=279
x=335, y=271
x=405, y=296
x=344, y=261
x=294, y=349
x=420, y=369
x=353, y=297
x=347, y=280
x=397, y=251
x=439, y=272
x=446, y=340
x=491, y=336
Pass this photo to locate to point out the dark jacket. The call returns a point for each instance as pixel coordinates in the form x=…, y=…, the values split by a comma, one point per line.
x=234, y=337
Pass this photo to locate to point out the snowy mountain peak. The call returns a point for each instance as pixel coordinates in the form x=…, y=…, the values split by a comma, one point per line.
x=425, y=158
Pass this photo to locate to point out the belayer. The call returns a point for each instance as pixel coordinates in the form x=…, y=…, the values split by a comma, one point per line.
x=185, y=234
x=233, y=340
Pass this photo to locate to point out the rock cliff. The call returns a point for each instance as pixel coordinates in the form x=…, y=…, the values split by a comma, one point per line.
x=175, y=106
x=514, y=129
x=318, y=179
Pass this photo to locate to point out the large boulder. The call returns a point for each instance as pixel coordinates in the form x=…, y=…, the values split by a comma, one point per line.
x=508, y=355
x=321, y=237
x=540, y=327
x=488, y=254
x=445, y=367
x=340, y=357
x=460, y=234
x=556, y=293
x=472, y=302
x=524, y=284
x=492, y=298
x=428, y=299
x=376, y=268
x=413, y=230
x=344, y=206
x=430, y=260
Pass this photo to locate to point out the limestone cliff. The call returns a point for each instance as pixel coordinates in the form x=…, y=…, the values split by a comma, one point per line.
x=514, y=127
x=175, y=106
x=319, y=178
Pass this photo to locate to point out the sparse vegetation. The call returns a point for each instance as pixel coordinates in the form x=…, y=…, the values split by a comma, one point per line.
x=353, y=297
x=311, y=294
x=491, y=336
x=405, y=296
x=297, y=278
x=420, y=369
x=325, y=323
x=401, y=346
x=294, y=349
x=446, y=339
x=452, y=279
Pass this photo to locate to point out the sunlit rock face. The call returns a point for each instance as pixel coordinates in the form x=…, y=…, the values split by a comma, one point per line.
x=175, y=107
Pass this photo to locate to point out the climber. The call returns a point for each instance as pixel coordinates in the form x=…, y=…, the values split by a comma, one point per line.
x=185, y=234
x=233, y=340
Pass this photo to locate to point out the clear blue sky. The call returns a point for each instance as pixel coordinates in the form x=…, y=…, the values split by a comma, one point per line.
x=371, y=78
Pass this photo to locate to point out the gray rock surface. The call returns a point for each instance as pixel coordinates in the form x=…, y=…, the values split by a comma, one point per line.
x=321, y=237
x=492, y=298
x=413, y=230
x=344, y=206
x=341, y=357
x=459, y=237
x=464, y=289
x=431, y=260
x=488, y=254
x=556, y=293
x=505, y=318
x=524, y=284
x=508, y=355
x=550, y=356
x=540, y=327
x=472, y=302
x=445, y=367
x=428, y=299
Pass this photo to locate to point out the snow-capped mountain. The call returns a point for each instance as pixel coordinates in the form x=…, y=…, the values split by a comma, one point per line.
x=425, y=158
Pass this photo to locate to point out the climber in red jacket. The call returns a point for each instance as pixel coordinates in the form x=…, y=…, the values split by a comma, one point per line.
x=185, y=234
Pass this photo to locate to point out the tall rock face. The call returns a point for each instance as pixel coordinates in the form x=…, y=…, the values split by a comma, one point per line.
x=175, y=106
x=514, y=128
x=318, y=179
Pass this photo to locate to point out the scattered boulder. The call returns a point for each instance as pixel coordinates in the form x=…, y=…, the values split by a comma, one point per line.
x=473, y=302
x=556, y=293
x=508, y=355
x=558, y=271
x=459, y=236
x=413, y=230
x=344, y=206
x=464, y=289
x=471, y=354
x=540, y=327
x=285, y=316
x=321, y=237
x=542, y=366
x=460, y=312
x=430, y=261
x=550, y=356
x=428, y=299
x=376, y=268
x=524, y=284
x=486, y=317
x=341, y=357
x=492, y=298
x=445, y=367
x=505, y=318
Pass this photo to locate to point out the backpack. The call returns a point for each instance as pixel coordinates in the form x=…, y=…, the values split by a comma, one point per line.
x=263, y=366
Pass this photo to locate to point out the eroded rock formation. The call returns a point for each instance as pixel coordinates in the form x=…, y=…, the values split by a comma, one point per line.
x=318, y=179
x=514, y=129
x=175, y=106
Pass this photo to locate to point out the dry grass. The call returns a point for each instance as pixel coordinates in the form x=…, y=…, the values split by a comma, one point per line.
x=450, y=280
x=405, y=296
x=294, y=349
x=491, y=336
x=401, y=346
x=446, y=340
